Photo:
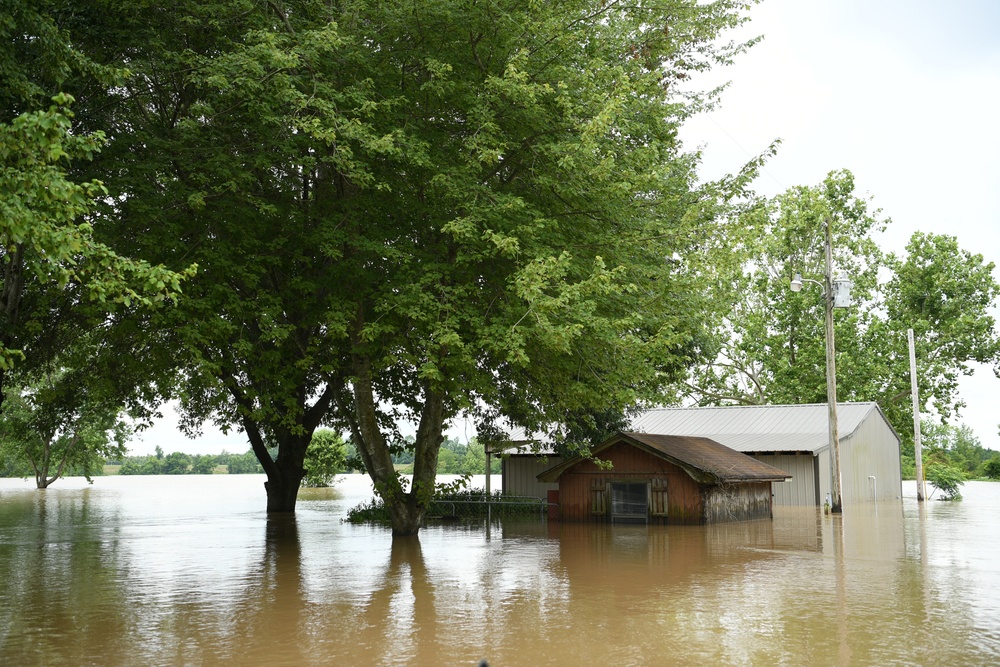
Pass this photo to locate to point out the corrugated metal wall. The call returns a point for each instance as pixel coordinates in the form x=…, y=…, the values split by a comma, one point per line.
x=870, y=452
x=520, y=472
x=823, y=475
x=801, y=488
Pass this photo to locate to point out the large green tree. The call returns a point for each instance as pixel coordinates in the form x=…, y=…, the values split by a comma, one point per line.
x=771, y=342
x=947, y=295
x=408, y=210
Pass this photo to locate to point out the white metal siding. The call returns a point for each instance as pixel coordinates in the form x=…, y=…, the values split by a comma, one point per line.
x=872, y=451
x=823, y=474
x=520, y=475
x=801, y=488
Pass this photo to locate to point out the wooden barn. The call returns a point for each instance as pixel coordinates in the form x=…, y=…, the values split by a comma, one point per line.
x=662, y=479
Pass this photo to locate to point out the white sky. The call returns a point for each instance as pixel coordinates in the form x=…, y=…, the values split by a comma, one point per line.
x=903, y=93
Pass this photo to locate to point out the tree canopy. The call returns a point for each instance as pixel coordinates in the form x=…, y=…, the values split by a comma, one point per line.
x=51, y=261
x=410, y=210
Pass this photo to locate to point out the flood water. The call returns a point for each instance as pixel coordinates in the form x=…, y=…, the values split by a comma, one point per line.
x=191, y=571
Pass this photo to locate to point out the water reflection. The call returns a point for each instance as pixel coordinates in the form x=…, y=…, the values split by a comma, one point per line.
x=403, y=607
x=153, y=573
x=270, y=617
x=60, y=602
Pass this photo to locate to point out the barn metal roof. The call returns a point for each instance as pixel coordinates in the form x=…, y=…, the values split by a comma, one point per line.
x=704, y=459
x=759, y=428
x=745, y=428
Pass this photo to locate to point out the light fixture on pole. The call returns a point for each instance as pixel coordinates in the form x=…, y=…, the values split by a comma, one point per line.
x=836, y=294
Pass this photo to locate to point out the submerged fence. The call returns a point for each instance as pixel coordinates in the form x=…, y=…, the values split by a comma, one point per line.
x=484, y=506
x=474, y=504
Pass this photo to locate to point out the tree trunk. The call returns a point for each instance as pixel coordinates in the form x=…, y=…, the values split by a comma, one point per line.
x=285, y=473
x=282, y=493
x=406, y=510
x=406, y=515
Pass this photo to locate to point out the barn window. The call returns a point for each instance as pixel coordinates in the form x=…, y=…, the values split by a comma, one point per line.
x=629, y=501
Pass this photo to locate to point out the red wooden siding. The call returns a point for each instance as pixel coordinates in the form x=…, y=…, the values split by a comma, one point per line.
x=583, y=492
x=673, y=497
x=659, y=497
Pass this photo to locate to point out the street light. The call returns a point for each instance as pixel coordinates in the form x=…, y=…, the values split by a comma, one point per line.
x=836, y=294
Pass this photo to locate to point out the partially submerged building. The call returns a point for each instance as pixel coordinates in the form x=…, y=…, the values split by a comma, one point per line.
x=792, y=438
x=639, y=477
x=796, y=439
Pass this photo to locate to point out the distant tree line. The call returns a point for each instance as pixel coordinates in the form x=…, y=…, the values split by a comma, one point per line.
x=455, y=458
x=950, y=453
x=326, y=457
x=175, y=463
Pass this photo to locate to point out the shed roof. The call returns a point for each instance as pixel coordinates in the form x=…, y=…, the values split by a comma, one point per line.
x=757, y=428
x=705, y=460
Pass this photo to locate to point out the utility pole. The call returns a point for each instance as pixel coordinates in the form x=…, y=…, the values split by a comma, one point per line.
x=831, y=375
x=914, y=395
x=488, y=450
x=836, y=294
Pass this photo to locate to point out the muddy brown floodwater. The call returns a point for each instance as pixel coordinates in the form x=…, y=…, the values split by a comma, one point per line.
x=191, y=571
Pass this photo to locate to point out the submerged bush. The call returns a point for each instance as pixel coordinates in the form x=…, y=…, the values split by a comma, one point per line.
x=992, y=467
x=947, y=479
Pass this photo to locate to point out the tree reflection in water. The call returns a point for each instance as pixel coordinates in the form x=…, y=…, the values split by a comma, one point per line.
x=402, y=611
x=270, y=620
x=60, y=585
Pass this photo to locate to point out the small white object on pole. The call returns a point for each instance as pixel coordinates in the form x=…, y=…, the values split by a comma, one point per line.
x=842, y=292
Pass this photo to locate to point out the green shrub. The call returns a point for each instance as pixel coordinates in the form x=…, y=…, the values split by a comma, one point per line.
x=370, y=511
x=947, y=479
x=907, y=466
x=326, y=456
x=992, y=467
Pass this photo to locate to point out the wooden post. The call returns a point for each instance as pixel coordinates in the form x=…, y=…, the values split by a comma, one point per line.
x=915, y=396
x=488, y=450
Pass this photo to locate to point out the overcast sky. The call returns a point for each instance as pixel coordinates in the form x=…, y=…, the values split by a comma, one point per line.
x=904, y=94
